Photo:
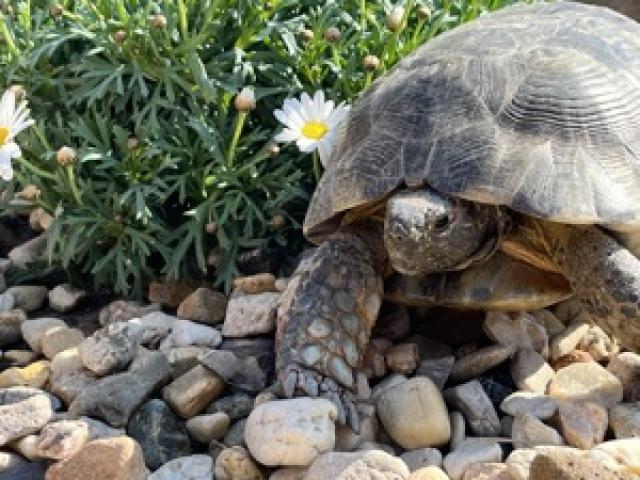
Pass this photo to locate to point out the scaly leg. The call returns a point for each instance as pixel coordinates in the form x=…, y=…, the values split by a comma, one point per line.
x=325, y=319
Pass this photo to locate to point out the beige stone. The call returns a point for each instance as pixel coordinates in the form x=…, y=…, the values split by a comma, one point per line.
x=205, y=306
x=205, y=428
x=583, y=423
x=476, y=363
x=291, y=473
x=59, y=339
x=565, y=465
x=190, y=393
x=626, y=452
x=370, y=464
x=470, y=451
x=258, y=283
x=488, y=471
x=539, y=405
x=402, y=358
x=33, y=375
x=428, y=473
x=586, y=381
x=250, y=314
x=34, y=330
x=530, y=371
x=625, y=420
x=626, y=367
x=234, y=463
x=527, y=431
x=567, y=341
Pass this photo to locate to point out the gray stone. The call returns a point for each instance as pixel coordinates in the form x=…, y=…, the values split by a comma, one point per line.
x=423, y=457
x=64, y=298
x=22, y=411
x=471, y=399
x=347, y=440
x=527, y=432
x=437, y=369
x=236, y=406
x=458, y=429
x=69, y=376
x=523, y=331
x=183, y=359
x=28, y=297
x=235, y=435
x=34, y=330
x=626, y=367
x=470, y=451
x=624, y=420
x=111, y=348
x=125, y=310
x=369, y=464
x=478, y=362
x=15, y=467
x=29, y=252
x=59, y=339
x=250, y=314
x=539, y=405
x=205, y=428
x=530, y=371
x=244, y=373
x=185, y=333
x=583, y=423
x=10, y=325
x=5, y=265
x=193, y=467
x=162, y=436
x=7, y=302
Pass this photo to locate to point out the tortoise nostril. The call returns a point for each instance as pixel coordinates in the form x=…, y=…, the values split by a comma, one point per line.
x=442, y=222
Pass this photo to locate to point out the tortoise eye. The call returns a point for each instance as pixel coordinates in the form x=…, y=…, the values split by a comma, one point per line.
x=442, y=222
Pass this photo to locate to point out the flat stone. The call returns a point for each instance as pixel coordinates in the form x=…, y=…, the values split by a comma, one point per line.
x=162, y=436
x=414, y=414
x=59, y=339
x=34, y=330
x=472, y=450
x=22, y=412
x=478, y=362
x=422, y=457
x=241, y=372
x=125, y=310
x=626, y=367
x=458, y=429
x=235, y=463
x=257, y=283
x=369, y=464
x=28, y=297
x=64, y=298
x=185, y=333
x=236, y=406
x=291, y=432
x=170, y=293
x=568, y=340
x=193, y=467
x=205, y=428
x=583, y=423
x=114, y=398
x=471, y=399
x=527, y=432
x=111, y=348
x=625, y=420
x=118, y=458
x=437, y=369
x=69, y=376
x=250, y=314
x=17, y=358
x=530, y=371
x=190, y=393
x=586, y=381
x=10, y=326
x=33, y=375
x=626, y=451
x=488, y=471
x=402, y=358
x=564, y=465
x=575, y=356
x=523, y=331
x=428, y=473
x=7, y=302
x=205, y=306
x=28, y=252
x=14, y=467
x=539, y=405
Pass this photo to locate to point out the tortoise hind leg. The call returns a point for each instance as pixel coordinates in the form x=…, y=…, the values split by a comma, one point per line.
x=325, y=319
x=605, y=276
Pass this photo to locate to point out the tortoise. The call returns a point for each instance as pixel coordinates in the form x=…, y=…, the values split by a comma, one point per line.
x=497, y=166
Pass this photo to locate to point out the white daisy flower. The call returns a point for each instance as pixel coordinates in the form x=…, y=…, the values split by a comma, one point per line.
x=12, y=121
x=311, y=123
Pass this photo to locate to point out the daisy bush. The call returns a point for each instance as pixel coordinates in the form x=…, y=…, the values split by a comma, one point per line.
x=171, y=136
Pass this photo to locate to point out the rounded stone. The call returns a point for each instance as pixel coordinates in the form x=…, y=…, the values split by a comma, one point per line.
x=470, y=451
x=414, y=414
x=586, y=381
x=537, y=404
x=369, y=464
x=428, y=473
x=291, y=432
x=205, y=428
x=583, y=423
x=193, y=467
x=625, y=420
x=235, y=463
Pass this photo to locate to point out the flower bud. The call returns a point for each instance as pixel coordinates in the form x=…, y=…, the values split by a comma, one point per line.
x=29, y=193
x=273, y=149
x=278, y=221
x=246, y=100
x=394, y=18
x=66, y=156
x=159, y=21
x=424, y=12
x=133, y=143
x=211, y=228
x=332, y=34
x=120, y=36
x=55, y=10
x=306, y=35
x=371, y=62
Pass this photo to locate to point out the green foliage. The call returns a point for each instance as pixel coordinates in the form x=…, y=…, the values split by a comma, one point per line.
x=143, y=90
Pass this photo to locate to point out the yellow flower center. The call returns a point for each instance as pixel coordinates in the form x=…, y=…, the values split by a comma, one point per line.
x=315, y=130
x=4, y=134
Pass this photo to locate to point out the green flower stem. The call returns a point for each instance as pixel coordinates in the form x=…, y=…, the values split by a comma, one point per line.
x=317, y=169
x=72, y=183
x=237, y=130
x=182, y=13
x=35, y=170
x=363, y=15
x=8, y=38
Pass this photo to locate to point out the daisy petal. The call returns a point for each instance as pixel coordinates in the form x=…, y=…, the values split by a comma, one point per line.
x=6, y=170
x=287, y=135
x=306, y=145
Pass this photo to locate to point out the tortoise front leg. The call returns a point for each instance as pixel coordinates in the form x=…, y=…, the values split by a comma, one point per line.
x=325, y=319
x=604, y=274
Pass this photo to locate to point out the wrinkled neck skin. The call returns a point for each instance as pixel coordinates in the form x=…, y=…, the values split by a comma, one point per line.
x=427, y=232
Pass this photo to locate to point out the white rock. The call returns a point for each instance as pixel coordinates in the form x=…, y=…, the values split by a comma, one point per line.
x=625, y=420
x=626, y=452
x=519, y=461
x=524, y=331
x=193, y=467
x=7, y=302
x=291, y=432
x=59, y=339
x=539, y=405
x=235, y=463
x=369, y=464
x=586, y=381
x=64, y=297
x=111, y=348
x=292, y=473
x=156, y=326
x=185, y=333
x=470, y=451
x=250, y=314
x=530, y=371
x=34, y=330
x=567, y=341
x=22, y=413
x=422, y=457
x=28, y=297
x=527, y=431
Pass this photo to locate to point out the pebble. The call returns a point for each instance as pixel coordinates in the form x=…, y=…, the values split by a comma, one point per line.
x=414, y=414
x=568, y=340
x=190, y=393
x=241, y=372
x=497, y=385
x=549, y=321
x=250, y=314
x=402, y=358
x=258, y=283
x=527, y=432
x=28, y=297
x=373, y=362
x=235, y=434
x=478, y=362
x=566, y=465
x=156, y=326
x=15, y=467
x=10, y=326
x=64, y=298
x=17, y=358
x=183, y=359
x=236, y=406
x=114, y=398
x=598, y=344
x=472, y=450
x=626, y=367
x=530, y=371
x=234, y=463
x=118, y=458
x=162, y=436
x=471, y=399
x=28, y=252
x=22, y=411
x=57, y=441
x=575, y=356
x=369, y=464
x=428, y=473
x=33, y=375
x=539, y=405
x=458, y=429
x=204, y=306
x=193, y=467
x=7, y=302
x=519, y=461
x=291, y=432
x=624, y=420
x=583, y=423
x=111, y=348
x=125, y=310
x=59, y=339
x=34, y=330
x=68, y=375
x=523, y=331
x=626, y=451
x=292, y=473
x=488, y=471
x=347, y=440
x=170, y=293
x=185, y=333
x=204, y=428
x=586, y=381
x=437, y=369
x=40, y=220
x=423, y=457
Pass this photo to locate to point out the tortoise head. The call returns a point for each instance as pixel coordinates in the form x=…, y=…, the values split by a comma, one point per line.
x=427, y=232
